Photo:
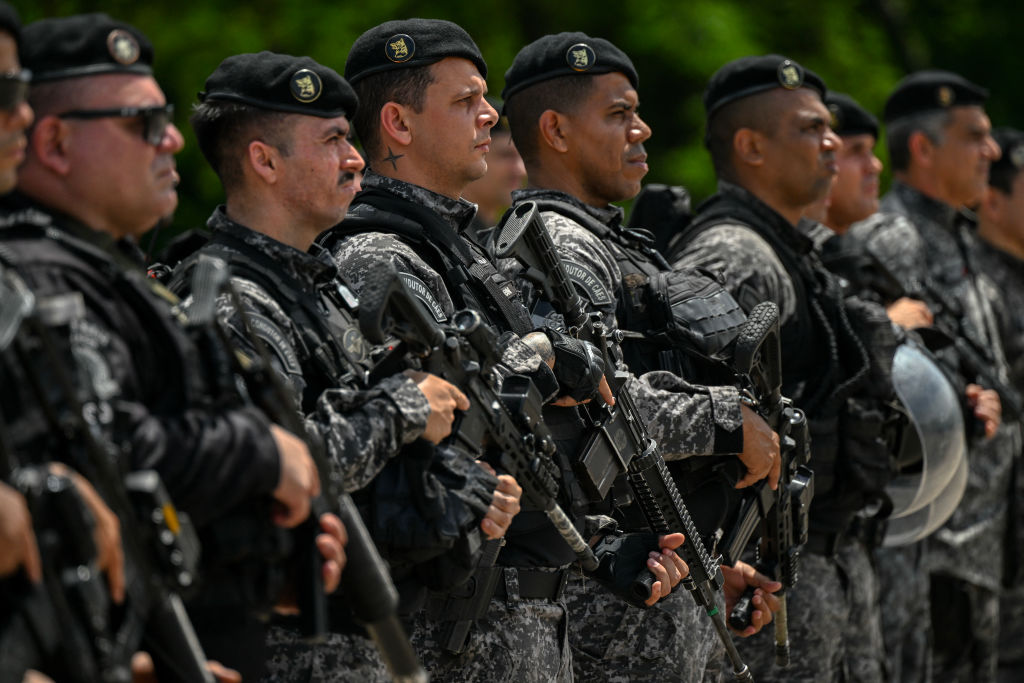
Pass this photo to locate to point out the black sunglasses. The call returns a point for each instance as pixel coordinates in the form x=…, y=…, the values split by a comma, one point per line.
x=154, y=119
x=14, y=89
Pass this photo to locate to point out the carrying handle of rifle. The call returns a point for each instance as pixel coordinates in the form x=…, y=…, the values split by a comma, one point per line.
x=388, y=308
x=758, y=347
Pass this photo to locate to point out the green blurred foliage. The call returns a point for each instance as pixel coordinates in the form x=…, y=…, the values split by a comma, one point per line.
x=858, y=46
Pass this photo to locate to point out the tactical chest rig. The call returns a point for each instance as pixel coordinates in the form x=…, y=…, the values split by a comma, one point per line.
x=333, y=352
x=825, y=365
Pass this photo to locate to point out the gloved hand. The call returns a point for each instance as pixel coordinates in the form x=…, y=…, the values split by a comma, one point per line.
x=579, y=366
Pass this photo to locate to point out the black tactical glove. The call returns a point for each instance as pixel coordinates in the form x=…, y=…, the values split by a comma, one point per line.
x=622, y=559
x=578, y=365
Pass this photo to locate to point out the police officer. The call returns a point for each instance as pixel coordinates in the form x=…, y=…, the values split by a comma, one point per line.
x=941, y=148
x=425, y=124
x=492, y=193
x=71, y=228
x=999, y=255
x=774, y=153
x=276, y=130
x=571, y=101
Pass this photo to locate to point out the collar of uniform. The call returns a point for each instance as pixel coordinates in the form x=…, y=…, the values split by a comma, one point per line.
x=919, y=204
x=309, y=269
x=458, y=213
x=795, y=236
x=20, y=209
x=610, y=215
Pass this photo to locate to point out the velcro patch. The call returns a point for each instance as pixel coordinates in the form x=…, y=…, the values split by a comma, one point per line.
x=274, y=338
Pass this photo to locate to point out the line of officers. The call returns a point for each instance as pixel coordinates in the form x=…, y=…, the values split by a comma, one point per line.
x=97, y=349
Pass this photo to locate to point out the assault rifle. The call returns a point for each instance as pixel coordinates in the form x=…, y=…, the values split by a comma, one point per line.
x=619, y=442
x=95, y=640
x=780, y=516
x=867, y=271
x=506, y=422
x=365, y=583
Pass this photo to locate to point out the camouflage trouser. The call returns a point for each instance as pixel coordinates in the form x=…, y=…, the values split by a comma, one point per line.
x=1011, y=634
x=348, y=658
x=521, y=642
x=903, y=589
x=818, y=629
x=965, y=623
x=615, y=642
x=865, y=651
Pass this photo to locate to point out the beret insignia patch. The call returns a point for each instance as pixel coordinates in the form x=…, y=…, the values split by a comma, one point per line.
x=400, y=48
x=791, y=75
x=834, y=119
x=580, y=57
x=945, y=96
x=306, y=86
x=123, y=46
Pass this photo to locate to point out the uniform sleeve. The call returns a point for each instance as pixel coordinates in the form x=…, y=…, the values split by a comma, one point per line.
x=893, y=241
x=361, y=429
x=684, y=418
x=750, y=269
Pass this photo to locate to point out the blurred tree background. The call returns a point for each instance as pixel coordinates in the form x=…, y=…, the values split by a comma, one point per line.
x=861, y=47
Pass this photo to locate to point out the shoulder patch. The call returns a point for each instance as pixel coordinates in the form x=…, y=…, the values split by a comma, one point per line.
x=419, y=288
x=273, y=337
x=588, y=283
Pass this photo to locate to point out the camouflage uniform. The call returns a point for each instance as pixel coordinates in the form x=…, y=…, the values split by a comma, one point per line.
x=1006, y=273
x=612, y=640
x=516, y=628
x=929, y=255
x=363, y=429
x=753, y=269
x=865, y=652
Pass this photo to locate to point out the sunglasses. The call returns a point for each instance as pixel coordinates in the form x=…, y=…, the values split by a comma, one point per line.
x=14, y=89
x=154, y=119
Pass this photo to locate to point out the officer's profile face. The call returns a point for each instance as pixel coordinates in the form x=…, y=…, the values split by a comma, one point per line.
x=451, y=136
x=1004, y=212
x=605, y=138
x=798, y=152
x=854, y=194
x=319, y=175
x=127, y=185
x=962, y=157
x=13, y=120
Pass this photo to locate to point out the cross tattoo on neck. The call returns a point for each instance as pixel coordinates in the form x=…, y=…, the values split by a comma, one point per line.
x=392, y=157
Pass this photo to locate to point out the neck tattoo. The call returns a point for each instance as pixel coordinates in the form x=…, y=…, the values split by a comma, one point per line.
x=392, y=157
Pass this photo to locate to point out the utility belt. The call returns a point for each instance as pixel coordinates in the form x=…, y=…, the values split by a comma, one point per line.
x=471, y=600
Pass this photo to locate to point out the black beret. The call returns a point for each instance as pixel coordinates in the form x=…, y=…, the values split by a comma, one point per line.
x=84, y=45
x=1011, y=162
x=297, y=85
x=752, y=75
x=848, y=117
x=931, y=90
x=10, y=22
x=408, y=43
x=566, y=54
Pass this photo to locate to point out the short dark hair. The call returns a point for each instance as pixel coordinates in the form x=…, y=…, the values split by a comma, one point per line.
x=407, y=87
x=224, y=130
x=563, y=94
x=897, y=134
x=752, y=112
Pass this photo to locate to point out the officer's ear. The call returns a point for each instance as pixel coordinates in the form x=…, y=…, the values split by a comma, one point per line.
x=748, y=146
x=921, y=148
x=263, y=160
x=553, y=130
x=395, y=123
x=49, y=141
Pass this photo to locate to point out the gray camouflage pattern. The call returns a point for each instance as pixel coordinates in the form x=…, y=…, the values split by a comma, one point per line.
x=614, y=642
x=927, y=247
x=362, y=430
x=524, y=642
x=360, y=254
x=905, y=599
x=968, y=650
x=341, y=658
x=865, y=650
x=819, y=631
x=1005, y=272
x=681, y=416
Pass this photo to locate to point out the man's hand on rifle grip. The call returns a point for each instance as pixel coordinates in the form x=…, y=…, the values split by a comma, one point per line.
x=667, y=566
